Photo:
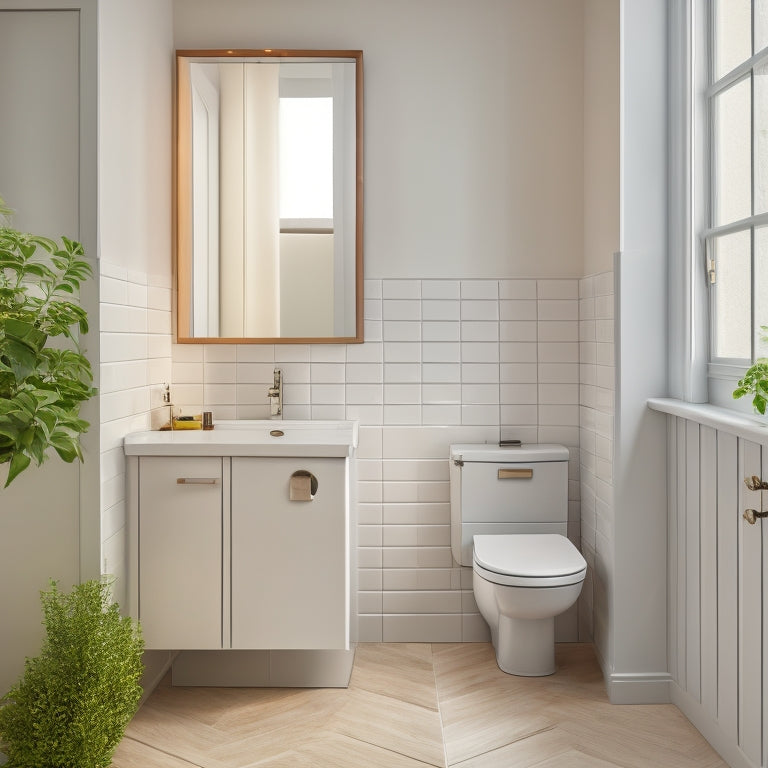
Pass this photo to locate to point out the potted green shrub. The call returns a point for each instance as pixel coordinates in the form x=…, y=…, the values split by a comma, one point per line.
x=44, y=377
x=74, y=701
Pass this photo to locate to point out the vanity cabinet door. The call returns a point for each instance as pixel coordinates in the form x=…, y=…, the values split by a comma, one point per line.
x=180, y=552
x=290, y=559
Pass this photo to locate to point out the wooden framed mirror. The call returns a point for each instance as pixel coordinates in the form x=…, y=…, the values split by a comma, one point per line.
x=269, y=196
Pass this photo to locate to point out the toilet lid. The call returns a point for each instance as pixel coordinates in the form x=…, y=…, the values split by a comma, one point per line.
x=531, y=559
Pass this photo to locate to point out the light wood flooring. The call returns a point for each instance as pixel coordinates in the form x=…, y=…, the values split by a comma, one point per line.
x=411, y=705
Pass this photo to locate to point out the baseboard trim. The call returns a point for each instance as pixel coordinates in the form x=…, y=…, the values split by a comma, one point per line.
x=639, y=688
x=725, y=745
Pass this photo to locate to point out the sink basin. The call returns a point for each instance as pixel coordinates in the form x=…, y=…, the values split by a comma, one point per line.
x=250, y=438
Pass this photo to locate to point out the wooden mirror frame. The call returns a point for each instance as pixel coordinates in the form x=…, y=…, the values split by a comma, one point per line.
x=182, y=198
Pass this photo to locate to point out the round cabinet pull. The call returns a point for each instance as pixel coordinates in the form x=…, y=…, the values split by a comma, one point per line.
x=302, y=486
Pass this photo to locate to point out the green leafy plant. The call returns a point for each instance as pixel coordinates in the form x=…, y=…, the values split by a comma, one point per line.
x=41, y=385
x=74, y=701
x=755, y=383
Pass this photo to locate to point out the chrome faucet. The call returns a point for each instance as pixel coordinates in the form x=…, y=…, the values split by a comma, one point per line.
x=275, y=394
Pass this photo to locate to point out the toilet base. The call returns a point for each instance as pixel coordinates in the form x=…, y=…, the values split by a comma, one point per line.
x=525, y=647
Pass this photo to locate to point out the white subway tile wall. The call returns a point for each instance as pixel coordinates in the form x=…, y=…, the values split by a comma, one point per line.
x=135, y=339
x=596, y=413
x=444, y=361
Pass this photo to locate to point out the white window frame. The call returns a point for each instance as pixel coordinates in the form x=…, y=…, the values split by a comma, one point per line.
x=722, y=373
x=688, y=310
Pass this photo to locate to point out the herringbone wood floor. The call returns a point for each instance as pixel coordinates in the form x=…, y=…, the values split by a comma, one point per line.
x=415, y=705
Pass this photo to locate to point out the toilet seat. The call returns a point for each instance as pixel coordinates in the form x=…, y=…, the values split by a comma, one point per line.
x=528, y=560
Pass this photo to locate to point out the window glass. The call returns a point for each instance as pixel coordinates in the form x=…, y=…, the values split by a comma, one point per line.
x=761, y=24
x=761, y=138
x=732, y=330
x=306, y=158
x=761, y=291
x=732, y=34
x=732, y=199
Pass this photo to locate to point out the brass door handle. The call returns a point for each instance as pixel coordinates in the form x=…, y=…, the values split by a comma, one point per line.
x=754, y=483
x=751, y=515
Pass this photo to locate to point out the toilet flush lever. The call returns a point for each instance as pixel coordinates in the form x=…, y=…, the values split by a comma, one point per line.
x=515, y=474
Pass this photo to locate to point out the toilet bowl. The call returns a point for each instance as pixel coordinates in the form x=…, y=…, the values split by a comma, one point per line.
x=521, y=582
x=509, y=517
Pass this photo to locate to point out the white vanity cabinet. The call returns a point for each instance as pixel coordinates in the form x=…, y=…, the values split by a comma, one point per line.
x=240, y=540
x=180, y=551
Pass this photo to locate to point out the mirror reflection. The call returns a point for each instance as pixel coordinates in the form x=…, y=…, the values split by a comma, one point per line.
x=269, y=196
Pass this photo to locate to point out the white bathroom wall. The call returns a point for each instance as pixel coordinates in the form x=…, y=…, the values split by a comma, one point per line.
x=136, y=344
x=444, y=361
x=601, y=134
x=136, y=55
x=597, y=375
x=634, y=651
x=473, y=124
x=475, y=183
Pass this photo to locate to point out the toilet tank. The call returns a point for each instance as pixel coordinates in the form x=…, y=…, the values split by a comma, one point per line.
x=506, y=489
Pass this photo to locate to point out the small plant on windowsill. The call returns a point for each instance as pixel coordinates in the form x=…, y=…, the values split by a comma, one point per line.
x=42, y=384
x=755, y=381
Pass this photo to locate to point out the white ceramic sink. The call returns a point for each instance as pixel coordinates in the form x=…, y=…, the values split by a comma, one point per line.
x=250, y=438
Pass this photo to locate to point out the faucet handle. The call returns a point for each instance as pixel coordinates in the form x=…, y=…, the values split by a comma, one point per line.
x=275, y=394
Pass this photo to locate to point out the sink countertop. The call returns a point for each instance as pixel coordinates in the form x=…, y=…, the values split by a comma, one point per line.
x=249, y=438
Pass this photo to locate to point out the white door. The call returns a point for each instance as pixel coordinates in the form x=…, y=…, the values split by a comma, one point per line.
x=290, y=559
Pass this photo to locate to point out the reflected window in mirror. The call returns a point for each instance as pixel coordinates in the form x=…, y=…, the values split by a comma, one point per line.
x=269, y=196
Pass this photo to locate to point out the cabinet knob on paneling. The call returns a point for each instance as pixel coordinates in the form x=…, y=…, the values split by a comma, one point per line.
x=754, y=483
x=751, y=515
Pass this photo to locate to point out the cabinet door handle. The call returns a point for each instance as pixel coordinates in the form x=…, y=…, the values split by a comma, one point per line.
x=515, y=474
x=197, y=480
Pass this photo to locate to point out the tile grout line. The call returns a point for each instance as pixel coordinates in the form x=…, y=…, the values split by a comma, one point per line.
x=163, y=751
x=387, y=749
x=503, y=746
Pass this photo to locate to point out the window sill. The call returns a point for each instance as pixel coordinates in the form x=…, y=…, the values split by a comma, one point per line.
x=750, y=427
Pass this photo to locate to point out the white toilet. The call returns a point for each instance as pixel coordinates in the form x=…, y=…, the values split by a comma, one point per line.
x=509, y=516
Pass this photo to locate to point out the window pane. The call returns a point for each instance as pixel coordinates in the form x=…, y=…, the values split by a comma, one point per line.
x=732, y=154
x=306, y=158
x=733, y=34
x=761, y=24
x=761, y=139
x=733, y=296
x=761, y=290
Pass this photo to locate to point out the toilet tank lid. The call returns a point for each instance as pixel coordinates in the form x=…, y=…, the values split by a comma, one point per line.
x=518, y=454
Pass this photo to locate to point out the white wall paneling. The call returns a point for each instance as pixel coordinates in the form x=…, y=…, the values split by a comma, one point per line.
x=717, y=592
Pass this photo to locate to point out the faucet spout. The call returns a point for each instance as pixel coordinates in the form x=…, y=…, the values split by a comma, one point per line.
x=275, y=394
